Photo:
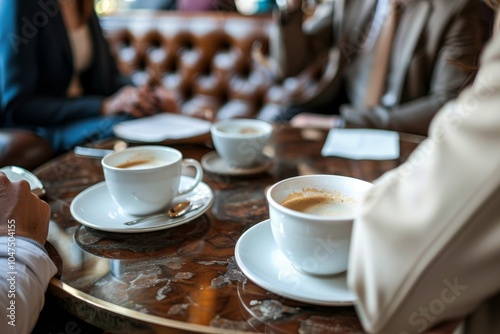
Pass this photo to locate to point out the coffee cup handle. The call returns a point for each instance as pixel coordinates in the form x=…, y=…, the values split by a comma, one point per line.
x=199, y=175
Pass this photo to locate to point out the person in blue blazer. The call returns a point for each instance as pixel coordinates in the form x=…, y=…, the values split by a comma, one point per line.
x=58, y=77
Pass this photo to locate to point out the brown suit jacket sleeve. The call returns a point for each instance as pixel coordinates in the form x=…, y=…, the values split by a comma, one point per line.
x=293, y=45
x=460, y=41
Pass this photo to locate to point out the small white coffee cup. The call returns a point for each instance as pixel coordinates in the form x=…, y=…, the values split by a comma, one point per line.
x=145, y=179
x=311, y=220
x=240, y=142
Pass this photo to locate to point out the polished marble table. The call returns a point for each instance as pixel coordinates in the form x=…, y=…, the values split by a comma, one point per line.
x=185, y=279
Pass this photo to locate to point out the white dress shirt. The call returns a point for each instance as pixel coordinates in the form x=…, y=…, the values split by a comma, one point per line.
x=26, y=270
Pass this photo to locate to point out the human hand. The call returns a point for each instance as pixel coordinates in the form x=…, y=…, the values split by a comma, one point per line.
x=309, y=120
x=168, y=101
x=23, y=213
x=137, y=102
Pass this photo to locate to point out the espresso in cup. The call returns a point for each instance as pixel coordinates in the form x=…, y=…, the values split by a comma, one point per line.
x=140, y=163
x=322, y=203
x=311, y=220
x=229, y=128
x=248, y=129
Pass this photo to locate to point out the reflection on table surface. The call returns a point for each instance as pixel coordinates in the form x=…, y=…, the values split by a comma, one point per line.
x=186, y=278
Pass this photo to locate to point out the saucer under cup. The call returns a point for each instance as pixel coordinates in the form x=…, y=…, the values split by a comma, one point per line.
x=262, y=262
x=94, y=208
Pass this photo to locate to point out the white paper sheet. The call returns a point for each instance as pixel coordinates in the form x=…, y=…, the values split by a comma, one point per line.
x=362, y=144
x=161, y=127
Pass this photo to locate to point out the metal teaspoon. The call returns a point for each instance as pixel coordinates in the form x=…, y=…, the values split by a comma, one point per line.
x=177, y=211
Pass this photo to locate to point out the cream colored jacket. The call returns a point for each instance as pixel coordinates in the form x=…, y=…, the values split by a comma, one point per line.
x=426, y=246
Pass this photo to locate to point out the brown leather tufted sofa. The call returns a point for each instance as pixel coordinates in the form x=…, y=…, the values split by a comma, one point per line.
x=205, y=58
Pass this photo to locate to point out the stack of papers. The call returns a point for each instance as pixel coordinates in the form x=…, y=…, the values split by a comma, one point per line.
x=362, y=144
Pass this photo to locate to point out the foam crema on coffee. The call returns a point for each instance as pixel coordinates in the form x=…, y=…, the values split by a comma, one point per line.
x=321, y=202
x=244, y=130
x=141, y=162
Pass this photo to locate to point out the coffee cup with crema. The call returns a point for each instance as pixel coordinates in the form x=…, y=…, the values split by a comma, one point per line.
x=311, y=220
x=240, y=142
x=145, y=179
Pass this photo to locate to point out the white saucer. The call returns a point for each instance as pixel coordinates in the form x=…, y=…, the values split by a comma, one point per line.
x=15, y=173
x=213, y=163
x=261, y=261
x=161, y=127
x=95, y=208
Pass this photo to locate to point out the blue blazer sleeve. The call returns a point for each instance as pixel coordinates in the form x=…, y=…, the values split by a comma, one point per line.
x=36, y=67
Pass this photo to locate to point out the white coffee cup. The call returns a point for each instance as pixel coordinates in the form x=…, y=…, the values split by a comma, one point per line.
x=145, y=179
x=240, y=142
x=316, y=239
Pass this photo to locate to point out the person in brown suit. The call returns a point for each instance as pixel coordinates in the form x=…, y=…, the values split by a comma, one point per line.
x=421, y=48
